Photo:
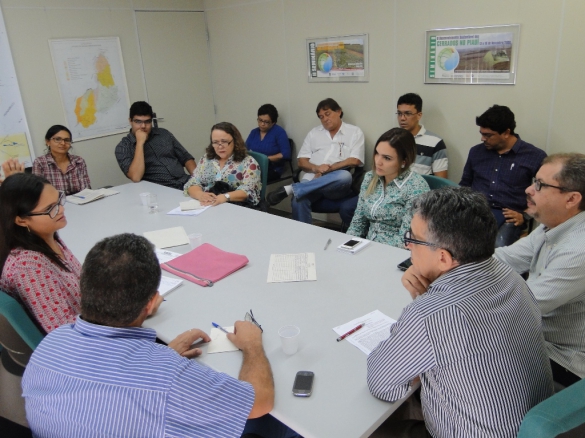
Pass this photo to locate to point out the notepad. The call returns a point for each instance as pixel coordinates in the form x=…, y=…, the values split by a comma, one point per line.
x=193, y=204
x=219, y=342
x=89, y=195
x=168, y=237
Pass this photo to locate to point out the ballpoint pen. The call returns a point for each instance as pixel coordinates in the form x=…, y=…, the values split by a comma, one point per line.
x=353, y=330
x=77, y=196
x=327, y=244
x=219, y=327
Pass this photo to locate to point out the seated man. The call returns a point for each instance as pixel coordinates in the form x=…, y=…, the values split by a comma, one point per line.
x=431, y=152
x=153, y=154
x=327, y=152
x=473, y=332
x=501, y=168
x=106, y=376
x=554, y=256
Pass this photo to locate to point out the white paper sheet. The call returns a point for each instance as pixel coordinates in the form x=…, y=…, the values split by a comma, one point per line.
x=292, y=267
x=219, y=342
x=192, y=204
x=178, y=212
x=164, y=255
x=168, y=284
x=168, y=237
x=367, y=338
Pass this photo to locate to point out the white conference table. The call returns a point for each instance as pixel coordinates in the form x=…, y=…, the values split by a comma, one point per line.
x=347, y=287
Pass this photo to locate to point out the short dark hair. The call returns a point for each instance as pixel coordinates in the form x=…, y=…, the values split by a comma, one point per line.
x=459, y=220
x=269, y=110
x=57, y=128
x=572, y=175
x=497, y=118
x=119, y=276
x=240, y=150
x=329, y=104
x=140, y=108
x=411, y=99
x=19, y=195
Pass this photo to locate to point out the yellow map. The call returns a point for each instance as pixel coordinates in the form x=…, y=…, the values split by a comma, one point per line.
x=15, y=146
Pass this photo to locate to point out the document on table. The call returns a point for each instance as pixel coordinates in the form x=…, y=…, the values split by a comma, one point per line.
x=292, y=267
x=178, y=212
x=377, y=329
x=168, y=284
x=219, y=342
x=164, y=255
x=168, y=237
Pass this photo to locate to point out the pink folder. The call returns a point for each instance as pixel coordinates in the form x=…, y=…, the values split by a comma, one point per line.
x=205, y=265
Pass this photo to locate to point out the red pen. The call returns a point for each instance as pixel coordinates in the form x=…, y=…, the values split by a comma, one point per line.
x=342, y=337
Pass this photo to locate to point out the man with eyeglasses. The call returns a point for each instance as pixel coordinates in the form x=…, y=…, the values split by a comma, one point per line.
x=105, y=374
x=472, y=334
x=431, y=152
x=501, y=167
x=153, y=154
x=554, y=257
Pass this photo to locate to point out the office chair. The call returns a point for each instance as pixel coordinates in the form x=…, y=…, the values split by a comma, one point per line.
x=436, y=182
x=286, y=177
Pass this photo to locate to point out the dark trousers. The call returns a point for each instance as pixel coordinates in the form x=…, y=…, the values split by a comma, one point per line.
x=562, y=375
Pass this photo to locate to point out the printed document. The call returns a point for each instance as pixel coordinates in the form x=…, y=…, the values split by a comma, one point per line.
x=164, y=255
x=178, y=212
x=292, y=267
x=376, y=330
x=168, y=284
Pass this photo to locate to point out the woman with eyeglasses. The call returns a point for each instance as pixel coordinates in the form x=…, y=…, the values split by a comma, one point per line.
x=226, y=173
x=37, y=268
x=66, y=172
x=271, y=140
x=383, y=211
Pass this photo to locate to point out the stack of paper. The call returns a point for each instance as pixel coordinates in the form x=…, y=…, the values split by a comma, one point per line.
x=168, y=284
x=193, y=204
x=376, y=329
x=355, y=249
x=89, y=195
x=292, y=267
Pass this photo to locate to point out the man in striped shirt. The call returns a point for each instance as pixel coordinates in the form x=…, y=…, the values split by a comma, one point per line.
x=106, y=376
x=554, y=256
x=473, y=332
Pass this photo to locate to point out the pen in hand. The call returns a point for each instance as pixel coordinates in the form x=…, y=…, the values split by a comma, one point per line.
x=327, y=244
x=219, y=327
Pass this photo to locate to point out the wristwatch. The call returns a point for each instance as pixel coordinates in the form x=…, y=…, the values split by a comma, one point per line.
x=227, y=196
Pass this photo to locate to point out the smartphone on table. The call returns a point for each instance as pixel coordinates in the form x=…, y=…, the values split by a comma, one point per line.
x=350, y=244
x=403, y=266
x=303, y=386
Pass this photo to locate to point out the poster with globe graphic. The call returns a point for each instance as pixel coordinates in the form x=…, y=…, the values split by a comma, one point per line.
x=342, y=58
x=481, y=55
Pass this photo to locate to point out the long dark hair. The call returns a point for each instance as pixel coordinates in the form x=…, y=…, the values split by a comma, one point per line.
x=19, y=195
x=240, y=150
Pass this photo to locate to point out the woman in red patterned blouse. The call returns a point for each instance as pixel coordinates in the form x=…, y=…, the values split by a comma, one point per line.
x=65, y=171
x=37, y=268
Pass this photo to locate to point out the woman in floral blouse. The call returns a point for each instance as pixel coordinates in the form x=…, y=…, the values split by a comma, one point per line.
x=227, y=161
x=383, y=210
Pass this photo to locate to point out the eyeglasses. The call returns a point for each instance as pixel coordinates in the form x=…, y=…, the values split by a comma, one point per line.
x=405, y=114
x=264, y=122
x=53, y=211
x=250, y=318
x=538, y=184
x=62, y=140
x=408, y=239
x=486, y=135
x=221, y=142
x=142, y=122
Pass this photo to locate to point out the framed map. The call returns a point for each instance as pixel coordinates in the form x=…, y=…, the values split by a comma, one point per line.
x=472, y=55
x=338, y=59
x=92, y=83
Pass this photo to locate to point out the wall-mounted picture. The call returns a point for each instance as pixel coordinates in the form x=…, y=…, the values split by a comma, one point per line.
x=338, y=59
x=472, y=55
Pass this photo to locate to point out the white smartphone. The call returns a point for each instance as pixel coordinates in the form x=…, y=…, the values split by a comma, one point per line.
x=303, y=386
x=350, y=244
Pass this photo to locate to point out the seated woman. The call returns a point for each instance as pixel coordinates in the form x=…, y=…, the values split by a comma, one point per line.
x=226, y=173
x=38, y=270
x=271, y=140
x=383, y=210
x=64, y=171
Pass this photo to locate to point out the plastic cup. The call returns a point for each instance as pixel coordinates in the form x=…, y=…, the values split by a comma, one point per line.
x=144, y=199
x=152, y=203
x=289, y=335
x=195, y=240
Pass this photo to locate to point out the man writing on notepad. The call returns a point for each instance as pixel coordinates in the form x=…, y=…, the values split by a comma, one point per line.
x=105, y=374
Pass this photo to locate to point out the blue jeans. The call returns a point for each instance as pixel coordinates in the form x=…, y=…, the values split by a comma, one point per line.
x=269, y=427
x=508, y=233
x=334, y=185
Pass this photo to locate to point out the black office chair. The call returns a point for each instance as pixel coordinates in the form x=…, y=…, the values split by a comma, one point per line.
x=286, y=176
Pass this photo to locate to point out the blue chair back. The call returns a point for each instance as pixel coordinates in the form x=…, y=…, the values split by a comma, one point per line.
x=263, y=163
x=436, y=182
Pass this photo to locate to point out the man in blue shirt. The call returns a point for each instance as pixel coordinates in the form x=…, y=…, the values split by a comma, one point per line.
x=501, y=168
x=106, y=376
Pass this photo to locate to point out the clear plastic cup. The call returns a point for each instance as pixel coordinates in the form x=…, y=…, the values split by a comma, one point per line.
x=289, y=336
x=195, y=240
x=152, y=203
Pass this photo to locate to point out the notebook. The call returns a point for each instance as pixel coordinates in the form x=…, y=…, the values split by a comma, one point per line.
x=89, y=195
x=168, y=237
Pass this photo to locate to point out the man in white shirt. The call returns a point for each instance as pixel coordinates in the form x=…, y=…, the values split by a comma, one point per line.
x=327, y=153
x=554, y=256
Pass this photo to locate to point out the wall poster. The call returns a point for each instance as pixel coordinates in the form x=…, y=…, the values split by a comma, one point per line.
x=338, y=59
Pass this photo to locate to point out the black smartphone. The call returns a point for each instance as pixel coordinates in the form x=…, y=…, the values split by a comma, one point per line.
x=303, y=386
x=350, y=244
x=403, y=266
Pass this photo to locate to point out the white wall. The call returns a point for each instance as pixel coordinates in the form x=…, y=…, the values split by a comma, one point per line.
x=31, y=23
x=258, y=55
